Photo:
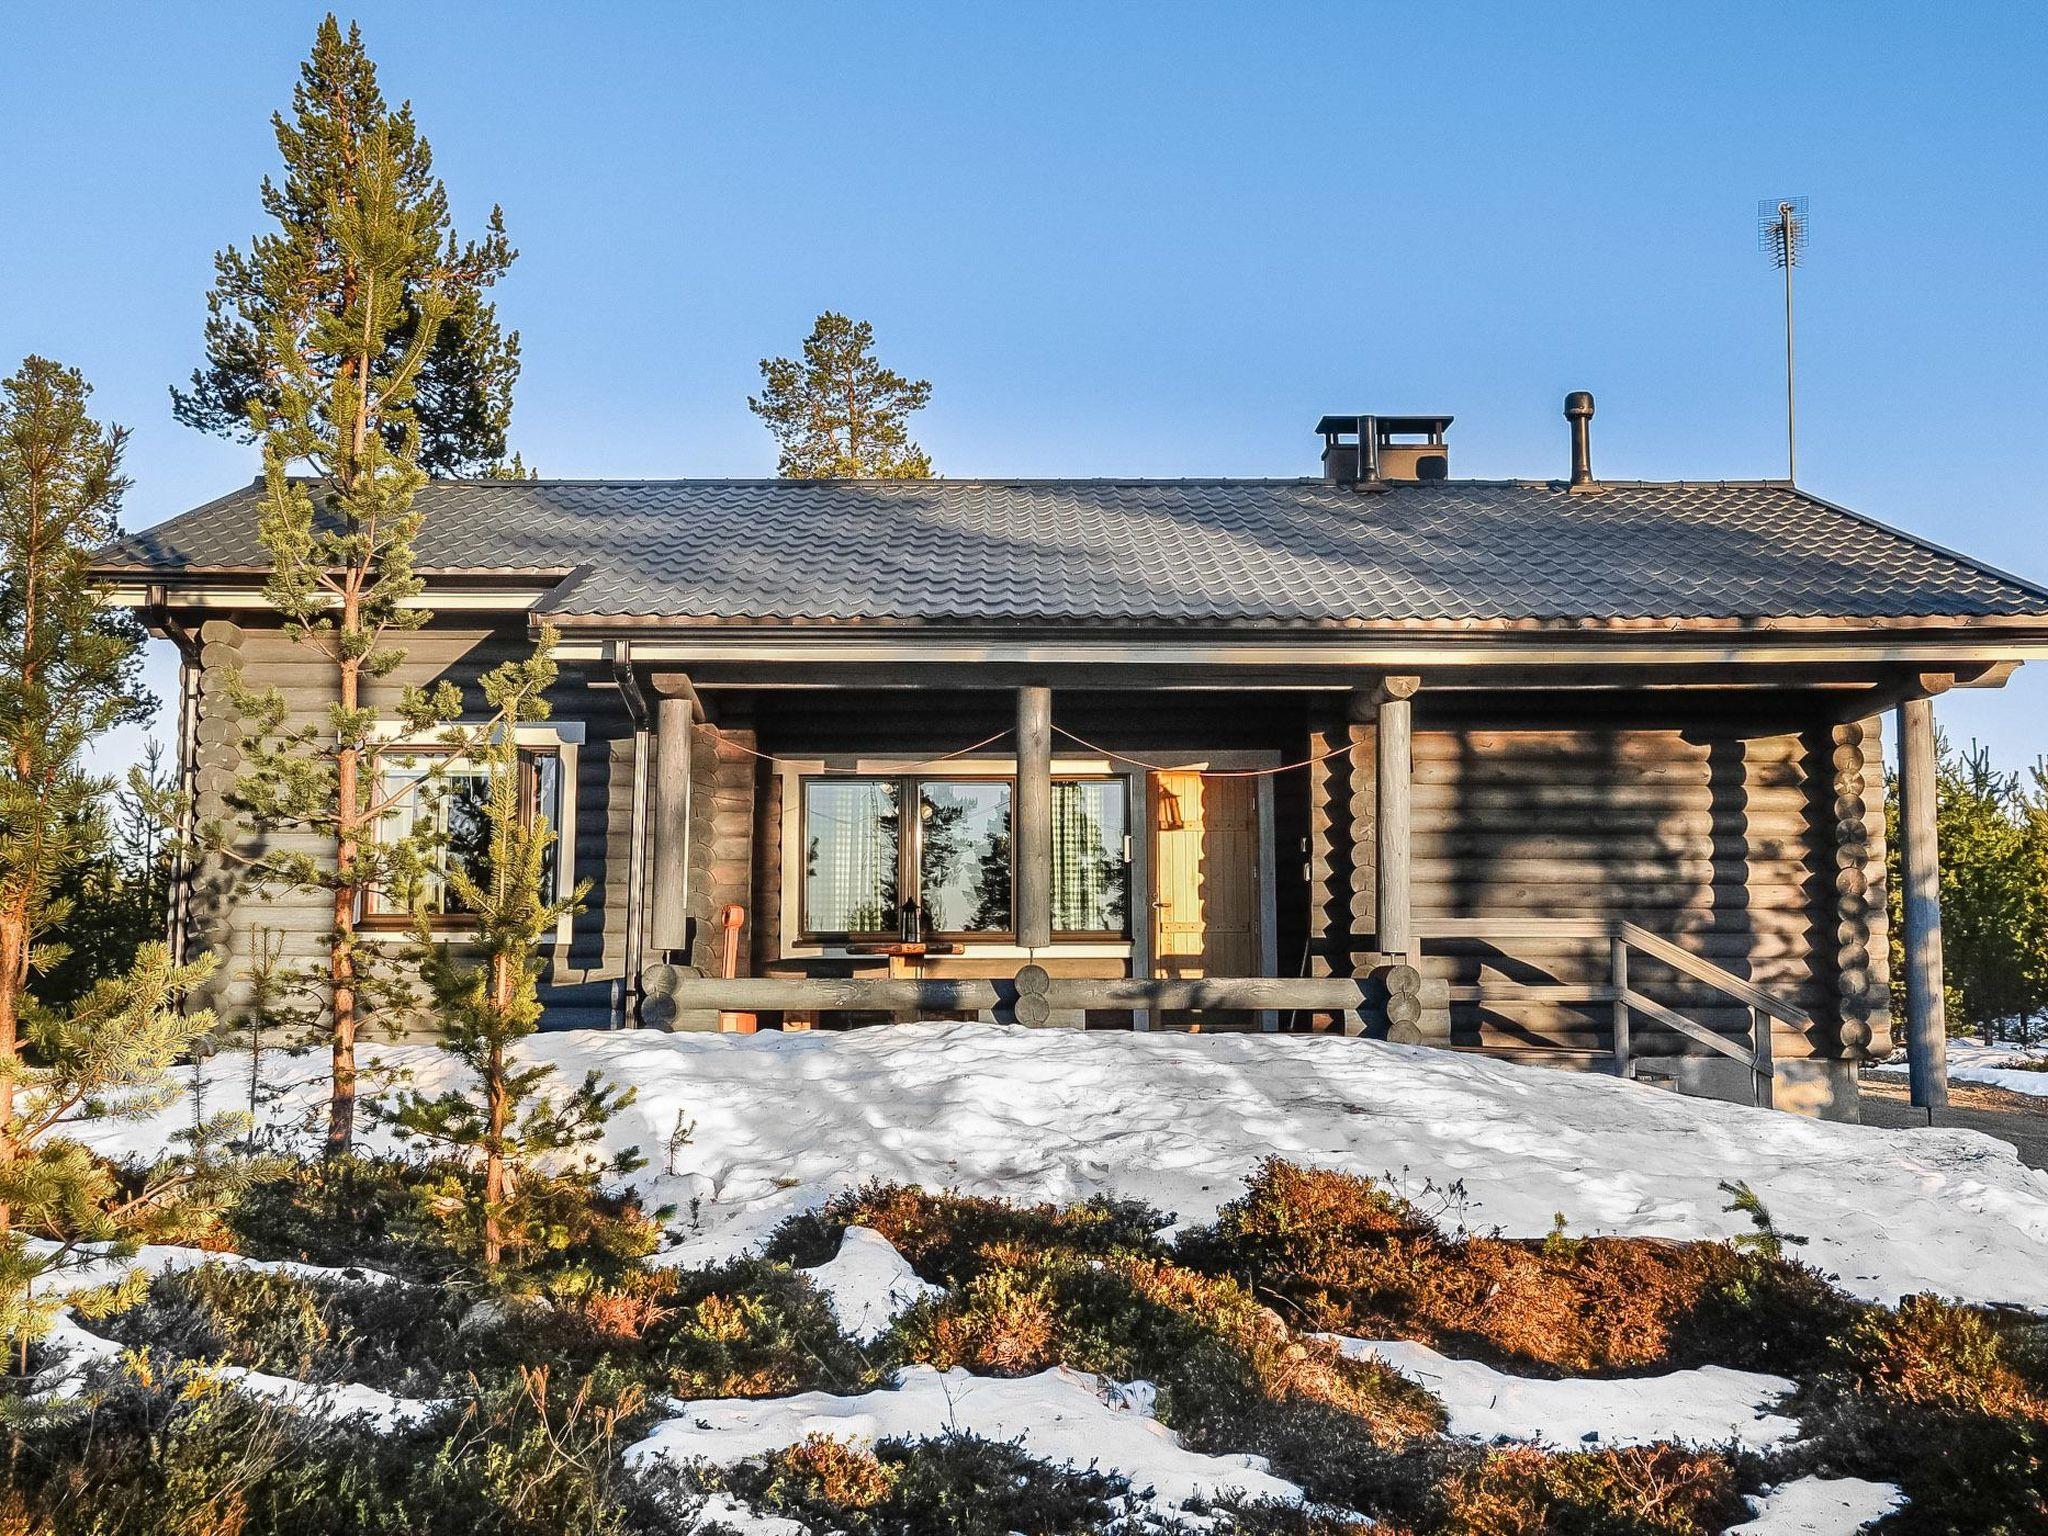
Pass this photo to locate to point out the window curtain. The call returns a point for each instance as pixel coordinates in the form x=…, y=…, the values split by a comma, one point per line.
x=1090, y=883
x=851, y=862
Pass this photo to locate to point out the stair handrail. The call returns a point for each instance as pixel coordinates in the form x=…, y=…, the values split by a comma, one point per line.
x=1623, y=936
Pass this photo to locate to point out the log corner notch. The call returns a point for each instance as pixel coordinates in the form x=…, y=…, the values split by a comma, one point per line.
x=1388, y=705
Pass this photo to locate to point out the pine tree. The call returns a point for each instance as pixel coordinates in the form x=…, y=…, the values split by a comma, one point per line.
x=463, y=382
x=838, y=413
x=348, y=315
x=67, y=673
x=487, y=990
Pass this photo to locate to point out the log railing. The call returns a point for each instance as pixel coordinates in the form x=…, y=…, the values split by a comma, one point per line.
x=1623, y=994
x=1030, y=997
x=1387, y=996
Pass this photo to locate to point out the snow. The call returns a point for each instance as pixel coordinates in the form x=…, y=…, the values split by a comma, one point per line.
x=1710, y=1406
x=868, y=1283
x=1820, y=1506
x=1059, y=1415
x=785, y=1120
x=725, y=1513
x=382, y=1411
x=165, y=1258
x=1995, y=1066
x=79, y=1349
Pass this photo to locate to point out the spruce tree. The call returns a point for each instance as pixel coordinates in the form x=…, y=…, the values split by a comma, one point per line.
x=339, y=327
x=68, y=671
x=839, y=413
x=463, y=378
x=487, y=993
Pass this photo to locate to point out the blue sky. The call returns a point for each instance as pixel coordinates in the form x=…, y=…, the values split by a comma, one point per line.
x=1134, y=239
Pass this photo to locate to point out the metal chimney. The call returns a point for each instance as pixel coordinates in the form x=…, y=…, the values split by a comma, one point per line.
x=1578, y=410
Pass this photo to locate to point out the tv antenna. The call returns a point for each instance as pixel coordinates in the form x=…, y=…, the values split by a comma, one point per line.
x=1781, y=233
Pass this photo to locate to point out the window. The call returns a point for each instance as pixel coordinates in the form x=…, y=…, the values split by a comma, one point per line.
x=1091, y=885
x=864, y=859
x=963, y=855
x=424, y=792
x=852, y=857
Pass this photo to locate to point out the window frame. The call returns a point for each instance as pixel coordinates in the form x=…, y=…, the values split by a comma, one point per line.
x=561, y=741
x=910, y=855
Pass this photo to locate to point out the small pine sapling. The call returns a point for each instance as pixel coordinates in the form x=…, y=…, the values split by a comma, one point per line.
x=1766, y=1241
x=486, y=993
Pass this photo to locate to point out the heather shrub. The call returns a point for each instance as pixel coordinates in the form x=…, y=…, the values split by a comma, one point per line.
x=953, y=1485
x=406, y=1216
x=1344, y=1254
x=171, y=1451
x=745, y=1329
x=752, y=1328
x=1654, y=1490
x=1949, y=1402
x=944, y=1236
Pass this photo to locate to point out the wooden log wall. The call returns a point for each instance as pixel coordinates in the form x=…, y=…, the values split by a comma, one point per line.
x=722, y=826
x=1703, y=833
x=1342, y=872
x=580, y=987
x=1855, y=806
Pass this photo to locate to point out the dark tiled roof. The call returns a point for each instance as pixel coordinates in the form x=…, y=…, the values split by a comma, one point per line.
x=1286, y=552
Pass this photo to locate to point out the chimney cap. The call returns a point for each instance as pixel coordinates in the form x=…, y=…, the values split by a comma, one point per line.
x=1329, y=426
x=1578, y=403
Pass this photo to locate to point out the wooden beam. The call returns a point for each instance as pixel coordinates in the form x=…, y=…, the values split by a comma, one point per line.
x=1237, y=994
x=1920, y=879
x=679, y=685
x=675, y=717
x=1395, y=816
x=1032, y=855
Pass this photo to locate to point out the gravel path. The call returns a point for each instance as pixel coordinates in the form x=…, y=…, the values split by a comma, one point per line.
x=2011, y=1117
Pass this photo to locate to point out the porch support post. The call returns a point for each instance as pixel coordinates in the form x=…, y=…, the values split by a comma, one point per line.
x=1394, y=820
x=1920, y=877
x=675, y=719
x=1033, y=852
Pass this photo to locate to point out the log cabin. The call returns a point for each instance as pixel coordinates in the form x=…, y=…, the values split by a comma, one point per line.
x=1576, y=771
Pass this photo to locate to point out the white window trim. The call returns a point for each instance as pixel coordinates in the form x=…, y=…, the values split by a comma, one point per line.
x=565, y=739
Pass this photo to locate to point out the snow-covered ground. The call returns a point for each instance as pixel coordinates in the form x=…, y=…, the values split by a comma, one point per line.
x=868, y=1282
x=1995, y=1066
x=777, y=1123
x=1061, y=1416
x=782, y=1121
x=1710, y=1406
x=1820, y=1506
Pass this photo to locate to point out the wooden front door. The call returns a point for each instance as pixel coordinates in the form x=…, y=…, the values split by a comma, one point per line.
x=1205, y=908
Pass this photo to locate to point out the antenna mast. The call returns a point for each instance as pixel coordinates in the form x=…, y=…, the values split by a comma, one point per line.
x=1781, y=232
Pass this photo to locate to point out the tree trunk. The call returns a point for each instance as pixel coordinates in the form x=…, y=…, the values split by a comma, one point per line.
x=13, y=980
x=341, y=958
x=497, y=1111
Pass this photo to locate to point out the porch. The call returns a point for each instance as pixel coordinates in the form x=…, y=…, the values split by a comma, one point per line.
x=1676, y=886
